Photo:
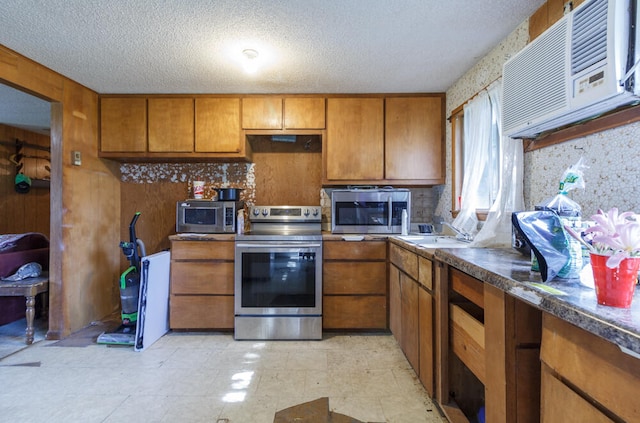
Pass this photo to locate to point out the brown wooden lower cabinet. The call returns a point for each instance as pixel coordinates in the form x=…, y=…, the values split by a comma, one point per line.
x=586, y=378
x=411, y=317
x=201, y=284
x=201, y=312
x=354, y=284
x=489, y=351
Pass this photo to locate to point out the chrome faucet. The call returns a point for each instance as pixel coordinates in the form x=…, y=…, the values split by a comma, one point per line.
x=460, y=235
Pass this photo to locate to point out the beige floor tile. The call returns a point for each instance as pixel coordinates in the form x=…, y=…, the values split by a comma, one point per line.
x=204, y=377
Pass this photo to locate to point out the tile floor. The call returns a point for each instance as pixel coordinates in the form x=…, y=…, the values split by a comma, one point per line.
x=209, y=377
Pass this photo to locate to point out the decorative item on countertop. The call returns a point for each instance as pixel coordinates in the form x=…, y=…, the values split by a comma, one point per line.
x=570, y=214
x=615, y=255
x=198, y=189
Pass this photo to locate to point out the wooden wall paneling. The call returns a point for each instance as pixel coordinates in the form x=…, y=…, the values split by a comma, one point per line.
x=27, y=75
x=555, y=11
x=24, y=212
x=538, y=22
x=91, y=218
x=157, y=204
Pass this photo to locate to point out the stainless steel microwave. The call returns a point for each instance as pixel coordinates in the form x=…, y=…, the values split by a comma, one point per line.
x=206, y=216
x=369, y=211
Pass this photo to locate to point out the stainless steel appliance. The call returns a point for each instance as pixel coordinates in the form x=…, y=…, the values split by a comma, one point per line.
x=369, y=210
x=278, y=274
x=206, y=216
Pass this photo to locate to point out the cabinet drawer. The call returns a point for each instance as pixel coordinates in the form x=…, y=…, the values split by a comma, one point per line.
x=201, y=277
x=582, y=358
x=201, y=312
x=349, y=250
x=202, y=250
x=354, y=278
x=467, y=340
x=357, y=312
x=468, y=286
x=404, y=260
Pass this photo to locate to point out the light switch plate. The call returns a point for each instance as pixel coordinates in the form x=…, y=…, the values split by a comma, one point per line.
x=77, y=158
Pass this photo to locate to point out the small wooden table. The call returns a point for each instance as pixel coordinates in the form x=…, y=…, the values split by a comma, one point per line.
x=27, y=288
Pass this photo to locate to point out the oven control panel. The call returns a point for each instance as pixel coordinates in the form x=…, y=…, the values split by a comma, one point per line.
x=284, y=213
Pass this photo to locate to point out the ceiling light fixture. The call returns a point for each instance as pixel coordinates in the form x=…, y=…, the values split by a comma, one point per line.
x=250, y=60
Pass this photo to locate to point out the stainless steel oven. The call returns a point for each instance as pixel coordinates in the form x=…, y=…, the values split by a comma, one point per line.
x=278, y=274
x=369, y=210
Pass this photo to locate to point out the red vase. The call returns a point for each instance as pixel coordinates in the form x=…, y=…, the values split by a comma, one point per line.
x=615, y=287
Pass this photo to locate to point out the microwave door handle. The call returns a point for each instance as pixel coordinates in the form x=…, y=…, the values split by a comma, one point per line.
x=390, y=210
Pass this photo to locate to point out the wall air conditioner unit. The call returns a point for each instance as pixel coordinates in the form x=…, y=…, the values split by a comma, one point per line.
x=582, y=66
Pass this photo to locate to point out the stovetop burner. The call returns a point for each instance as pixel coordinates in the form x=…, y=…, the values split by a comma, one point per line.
x=284, y=222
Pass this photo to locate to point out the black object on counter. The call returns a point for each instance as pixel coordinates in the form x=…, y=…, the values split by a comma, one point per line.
x=544, y=233
x=228, y=194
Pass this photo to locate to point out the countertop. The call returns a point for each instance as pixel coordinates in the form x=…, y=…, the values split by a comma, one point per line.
x=511, y=272
x=202, y=237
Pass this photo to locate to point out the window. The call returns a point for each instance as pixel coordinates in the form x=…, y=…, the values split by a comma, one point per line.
x=488, y=161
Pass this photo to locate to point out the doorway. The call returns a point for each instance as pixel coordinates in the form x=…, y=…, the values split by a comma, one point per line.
x=25, y=148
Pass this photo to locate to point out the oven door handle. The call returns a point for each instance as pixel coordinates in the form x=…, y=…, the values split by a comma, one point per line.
x=278, y=245
x=390, y=212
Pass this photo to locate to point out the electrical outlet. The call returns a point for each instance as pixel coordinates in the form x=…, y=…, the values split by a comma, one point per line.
x=77, y=158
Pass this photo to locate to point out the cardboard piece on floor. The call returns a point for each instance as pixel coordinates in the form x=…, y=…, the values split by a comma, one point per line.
x=316, y=411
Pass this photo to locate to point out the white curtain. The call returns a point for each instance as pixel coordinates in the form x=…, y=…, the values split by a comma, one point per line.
x=496, y=231
x=477, y=138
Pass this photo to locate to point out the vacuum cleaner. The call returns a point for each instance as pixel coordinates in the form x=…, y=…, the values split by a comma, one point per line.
x=129, y=285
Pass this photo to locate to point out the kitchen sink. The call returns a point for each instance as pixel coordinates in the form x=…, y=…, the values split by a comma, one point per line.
x=435, y=241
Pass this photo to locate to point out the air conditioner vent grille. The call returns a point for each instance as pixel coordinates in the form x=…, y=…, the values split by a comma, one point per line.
x=589, y=37
x=543, y=66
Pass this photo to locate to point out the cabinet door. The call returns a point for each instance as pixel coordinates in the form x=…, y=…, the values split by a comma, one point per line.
x=171, y=125
x=561, y=404
x=425, y=324
x=304, y=113
x=355, y=139
x=218, y=125
x=410, y=326
x=262, y=113
x=395, y=303
x=123, y=124
x=414, y=138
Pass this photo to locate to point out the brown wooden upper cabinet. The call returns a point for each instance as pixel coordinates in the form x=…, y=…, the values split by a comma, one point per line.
x=171, y=122
x=274, y=112
x=304, y=113
x=413, y=138
x=355, y=139
x=395, y=140
x=123, y=124
x=218, y=125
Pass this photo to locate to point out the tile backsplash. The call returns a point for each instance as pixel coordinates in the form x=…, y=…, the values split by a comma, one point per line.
x=215, y=175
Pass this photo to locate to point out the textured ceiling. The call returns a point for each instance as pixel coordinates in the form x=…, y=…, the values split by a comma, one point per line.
x=308, y=46
x=305, y=46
